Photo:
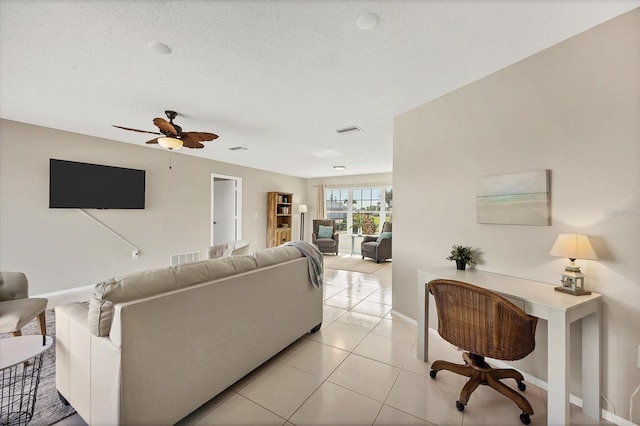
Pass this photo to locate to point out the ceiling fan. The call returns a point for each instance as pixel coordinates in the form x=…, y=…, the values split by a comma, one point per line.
x=172, y=135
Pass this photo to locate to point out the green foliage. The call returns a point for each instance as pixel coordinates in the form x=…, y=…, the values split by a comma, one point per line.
x=461, y=253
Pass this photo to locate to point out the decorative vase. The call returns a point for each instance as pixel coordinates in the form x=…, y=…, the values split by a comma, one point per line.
x=461, y=265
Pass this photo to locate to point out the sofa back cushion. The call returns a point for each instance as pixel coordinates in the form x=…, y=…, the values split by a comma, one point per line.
x=272, y=256
x=142, y=284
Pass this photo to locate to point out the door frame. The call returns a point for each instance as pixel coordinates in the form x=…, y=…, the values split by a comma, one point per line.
x=237, y=207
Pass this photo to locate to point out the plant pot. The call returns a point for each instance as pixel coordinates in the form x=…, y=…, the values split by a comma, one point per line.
x=460, y=265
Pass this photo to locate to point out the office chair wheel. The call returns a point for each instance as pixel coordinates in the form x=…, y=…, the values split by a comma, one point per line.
x=522, y=386
x=433, y=373
x=460, y=407
x=524, y=418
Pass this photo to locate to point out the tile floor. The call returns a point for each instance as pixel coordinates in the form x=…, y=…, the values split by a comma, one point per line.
x=359, y=369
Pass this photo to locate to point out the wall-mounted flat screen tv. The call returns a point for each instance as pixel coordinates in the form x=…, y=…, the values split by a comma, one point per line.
x=94, y=186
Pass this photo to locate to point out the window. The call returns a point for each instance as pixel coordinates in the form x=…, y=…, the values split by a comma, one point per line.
x=363, y=208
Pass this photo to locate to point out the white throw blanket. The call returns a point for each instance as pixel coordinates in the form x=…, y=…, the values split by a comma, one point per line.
x=314, y=259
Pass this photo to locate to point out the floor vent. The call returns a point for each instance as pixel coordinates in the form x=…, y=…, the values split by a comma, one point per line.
x=180, y=258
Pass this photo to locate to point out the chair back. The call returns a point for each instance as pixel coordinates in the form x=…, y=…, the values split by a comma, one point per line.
x=386, y=227
x=13, y=285
x=482, y=322
x=324, y=222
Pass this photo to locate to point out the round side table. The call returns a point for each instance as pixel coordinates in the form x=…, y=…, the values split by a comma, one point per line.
x=20, y=365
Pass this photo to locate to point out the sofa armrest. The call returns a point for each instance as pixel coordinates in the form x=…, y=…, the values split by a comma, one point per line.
x=369, y=238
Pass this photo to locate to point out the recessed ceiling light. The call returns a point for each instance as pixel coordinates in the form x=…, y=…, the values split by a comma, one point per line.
x=339, y=167
x=367, y=21
x=159, y=47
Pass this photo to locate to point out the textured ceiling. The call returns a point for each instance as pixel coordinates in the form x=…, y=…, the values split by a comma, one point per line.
x=276, y=77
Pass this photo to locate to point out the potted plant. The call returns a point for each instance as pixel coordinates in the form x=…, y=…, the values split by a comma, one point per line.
x=356, y=222
x=463, y=256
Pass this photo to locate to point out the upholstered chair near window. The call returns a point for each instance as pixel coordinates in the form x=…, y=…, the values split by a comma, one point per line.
x=325, y=236
x=378, y=248
x=16, y=308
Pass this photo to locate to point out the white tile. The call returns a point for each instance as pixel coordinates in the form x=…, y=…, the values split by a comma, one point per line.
x=281, y=389
x=358, y=321
x=356, y=293
x=206, y=408
x=391, y=416
x=365, y=376
x=430, y=400
x=339, y=336
x=381, y=296
x=238, y=410
x=334, y=405
x=316, y=358
x=342, y=302
x=253, y=375
x=384, y=349
x=330, y=314
x=397, y=330
x=372, y=308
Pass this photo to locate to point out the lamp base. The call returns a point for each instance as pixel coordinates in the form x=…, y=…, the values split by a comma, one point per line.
x=573, y=293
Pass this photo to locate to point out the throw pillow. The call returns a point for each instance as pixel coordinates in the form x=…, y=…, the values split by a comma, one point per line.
x=325, y=231
x=384, y=236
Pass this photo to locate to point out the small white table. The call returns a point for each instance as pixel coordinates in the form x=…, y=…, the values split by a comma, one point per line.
x=559, y=309
x=20, y=366
x=353, y=240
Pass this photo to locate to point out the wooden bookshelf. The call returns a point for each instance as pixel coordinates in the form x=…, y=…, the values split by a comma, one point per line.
x=279, y=218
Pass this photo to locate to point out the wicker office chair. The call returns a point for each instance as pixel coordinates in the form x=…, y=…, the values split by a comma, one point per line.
x=486, y=325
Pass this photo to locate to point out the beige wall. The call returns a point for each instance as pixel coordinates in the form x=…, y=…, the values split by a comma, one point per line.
x=60, y=249
x=572, y=109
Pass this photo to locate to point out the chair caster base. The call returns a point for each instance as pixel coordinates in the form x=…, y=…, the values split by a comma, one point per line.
x=524, y=418
x=522, y=386
x=433, y=373
x=460, y=406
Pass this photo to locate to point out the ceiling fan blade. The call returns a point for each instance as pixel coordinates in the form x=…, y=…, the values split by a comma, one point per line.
x=165, y=126
x=188, y=141
x=152, y=141
x=200, y=136
x=136, y=130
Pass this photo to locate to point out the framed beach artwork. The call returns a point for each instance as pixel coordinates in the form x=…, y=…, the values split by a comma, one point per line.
x=514, y=198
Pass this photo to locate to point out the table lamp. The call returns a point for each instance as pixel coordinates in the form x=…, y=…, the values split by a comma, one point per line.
x=302, y=209
x=573, y=246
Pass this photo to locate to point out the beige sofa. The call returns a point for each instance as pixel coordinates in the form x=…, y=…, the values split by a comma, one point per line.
x=153, y=346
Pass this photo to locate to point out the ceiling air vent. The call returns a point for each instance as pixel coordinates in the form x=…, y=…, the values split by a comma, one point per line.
x=349, y=129
x=238, y=148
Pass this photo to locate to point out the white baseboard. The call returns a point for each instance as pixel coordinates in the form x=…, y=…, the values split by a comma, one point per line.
x=57, y=298
x=404, y=317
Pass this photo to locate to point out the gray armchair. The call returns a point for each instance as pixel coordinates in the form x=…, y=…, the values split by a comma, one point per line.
x=324, y=244
x=378, y=248
x=16, y=308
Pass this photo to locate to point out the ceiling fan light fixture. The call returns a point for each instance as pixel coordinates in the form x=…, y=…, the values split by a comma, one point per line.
x=170, y=143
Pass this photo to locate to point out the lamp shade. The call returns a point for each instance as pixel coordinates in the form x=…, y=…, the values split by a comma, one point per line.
x=573, y=246
x=302, y=208
x=170, y=143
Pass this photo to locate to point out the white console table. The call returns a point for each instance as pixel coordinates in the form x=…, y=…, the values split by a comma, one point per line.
x=559, y=309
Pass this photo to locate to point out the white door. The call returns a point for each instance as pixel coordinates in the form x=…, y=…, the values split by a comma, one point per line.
x=226, y=209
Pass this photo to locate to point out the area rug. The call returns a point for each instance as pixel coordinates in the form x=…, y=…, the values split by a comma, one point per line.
x=355, y=264
x=48, y=409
